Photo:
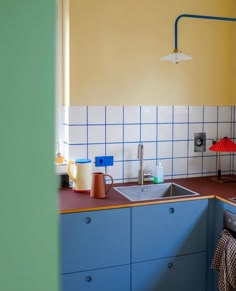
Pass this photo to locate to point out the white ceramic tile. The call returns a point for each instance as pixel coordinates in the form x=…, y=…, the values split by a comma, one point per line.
x=131, y=133
x=149, y=168
x=114, y=114
x=224, y=113
x=132, y=114
x=209, y=144
x=180, y=131
x=131, y=151
x=114, y=133
x=165, y=114
x=77, y=134
x=96, y=150
x=131, y=170
x=224, y=129
x=148, y=114
x=180, y=166
x=148, y=132
x=149, y=150
x=195, y=165
x=195, y=113
x=164, y=132
x=180, y=149
x=77, y=114
x=66, y=133
x=96, y=114
x=96, y=134
x=193, y=128
x=115, y=150
x=164, y=150
x=225, y=163
x=210, y=113
x=210, y=165
x=116, y=171
x=77, y=151
x=180, y=113
x=211, y=130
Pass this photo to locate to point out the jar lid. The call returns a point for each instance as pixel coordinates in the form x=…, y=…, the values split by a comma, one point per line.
x=83, y=161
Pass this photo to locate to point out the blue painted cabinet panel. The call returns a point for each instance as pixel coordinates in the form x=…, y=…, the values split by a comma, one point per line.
x=108, y=279
x=169, y=229
x=183, y=273
x=95, y=239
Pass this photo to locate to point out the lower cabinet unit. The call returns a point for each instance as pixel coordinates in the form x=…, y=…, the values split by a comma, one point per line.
x=95, y=250
x=142, y=248
x=183, y=273
x=169, y=244
x=107, y=279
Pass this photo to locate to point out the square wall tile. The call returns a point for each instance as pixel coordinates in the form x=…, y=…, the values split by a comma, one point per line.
x=180, y=114
x=167, y=168
x=224, y=129
x=96, y=114
x=131, y=170
x=131, y=151
x=132, y=114
x=210, y=113
x=195, y=165
x=76, y=115
x=164, y=150
x=77, y=152
x=116, y=171
x=148, y=132
x=210, y=165
x=96, y=134
x=195, y=113
x=164, y=132
x=115, y=150
x=180, y=132
x=211, y=130
x=95, y=150
x=132, y=133
x=114, y=133
x=193, y=128
x=180, y=149
x=149, y=150
x=114, y=115
x=165, y=114
x=225, y=113
x=179, y=167
x=78, y=135
x=148, y=114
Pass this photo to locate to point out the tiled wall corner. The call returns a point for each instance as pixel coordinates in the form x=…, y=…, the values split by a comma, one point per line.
x=167, y=133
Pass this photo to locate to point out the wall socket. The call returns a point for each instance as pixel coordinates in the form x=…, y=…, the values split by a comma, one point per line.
x=199, y=142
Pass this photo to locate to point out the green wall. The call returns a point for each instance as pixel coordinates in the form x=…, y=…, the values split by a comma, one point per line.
x=28, y=195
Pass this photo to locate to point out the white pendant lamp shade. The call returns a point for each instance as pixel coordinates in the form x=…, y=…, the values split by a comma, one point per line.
x=176, y=56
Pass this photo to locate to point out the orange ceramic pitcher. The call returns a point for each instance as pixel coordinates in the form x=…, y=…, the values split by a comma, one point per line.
x=98, y=187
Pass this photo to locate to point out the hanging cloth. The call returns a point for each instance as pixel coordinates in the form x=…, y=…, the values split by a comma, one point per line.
x=224, y=261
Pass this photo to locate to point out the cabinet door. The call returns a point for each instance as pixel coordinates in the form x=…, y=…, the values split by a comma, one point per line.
x=95, y=239
x=168, y=229
x=184, y=273
x=115, y=279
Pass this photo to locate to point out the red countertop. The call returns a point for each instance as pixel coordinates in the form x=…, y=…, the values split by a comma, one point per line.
x=70, y=201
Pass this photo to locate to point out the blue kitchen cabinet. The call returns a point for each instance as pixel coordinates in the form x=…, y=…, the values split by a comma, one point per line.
x=169, y=229
x=182, y=273
x=95, y=249
x=107, y=279
x=169, y=245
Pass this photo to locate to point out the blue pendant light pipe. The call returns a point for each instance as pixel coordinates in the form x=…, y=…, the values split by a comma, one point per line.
x=197, y=16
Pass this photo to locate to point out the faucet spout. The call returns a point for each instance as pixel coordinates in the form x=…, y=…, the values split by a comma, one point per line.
x=140, y=157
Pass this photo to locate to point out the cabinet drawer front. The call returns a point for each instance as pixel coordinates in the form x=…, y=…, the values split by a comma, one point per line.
x=169, y=229
x=95, y=239
x=182, y=273
x=115, y=279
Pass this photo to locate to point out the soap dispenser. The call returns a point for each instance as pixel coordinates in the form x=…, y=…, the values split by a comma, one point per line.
x=158, y=176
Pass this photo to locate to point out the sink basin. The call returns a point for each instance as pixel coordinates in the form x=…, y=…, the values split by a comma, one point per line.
x=154, y=191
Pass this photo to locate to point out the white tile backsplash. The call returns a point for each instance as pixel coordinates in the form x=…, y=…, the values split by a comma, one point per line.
x=166, y=132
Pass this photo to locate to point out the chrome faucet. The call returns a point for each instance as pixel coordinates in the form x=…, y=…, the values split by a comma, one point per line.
x=140, y=157
x=141, y=174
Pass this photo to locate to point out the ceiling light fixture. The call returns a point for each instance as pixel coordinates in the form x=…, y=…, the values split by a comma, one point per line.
x=176, y=55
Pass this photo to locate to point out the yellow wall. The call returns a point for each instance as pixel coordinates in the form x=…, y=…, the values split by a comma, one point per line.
x=115, y=48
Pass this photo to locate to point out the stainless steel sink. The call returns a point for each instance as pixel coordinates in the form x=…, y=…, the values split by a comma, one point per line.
x=154, y=191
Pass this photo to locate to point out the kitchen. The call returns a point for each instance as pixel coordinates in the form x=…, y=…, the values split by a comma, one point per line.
x=133, y=70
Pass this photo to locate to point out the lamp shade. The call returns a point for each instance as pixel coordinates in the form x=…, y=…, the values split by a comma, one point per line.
x=223, y=145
